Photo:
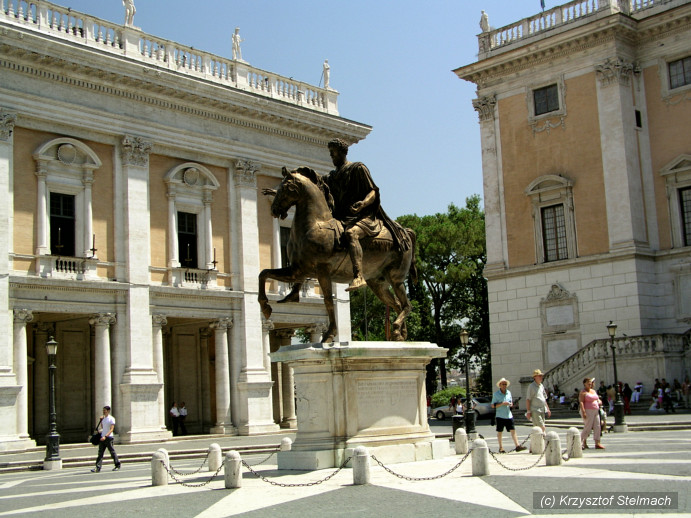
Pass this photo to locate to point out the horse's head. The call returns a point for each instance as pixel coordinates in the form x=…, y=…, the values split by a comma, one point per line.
x=287, y=194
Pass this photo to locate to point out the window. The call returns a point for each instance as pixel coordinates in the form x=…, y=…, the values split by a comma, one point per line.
x=685, y=206
x=546, y=99
x=680, y=72
x=554, y=233
x=62, y=224
x=187, y=239
x=553, y=218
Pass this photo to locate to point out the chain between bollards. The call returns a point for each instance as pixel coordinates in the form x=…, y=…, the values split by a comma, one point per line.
x=306, y=484
x=266, y=459
x=188, y=484
x=419, y=479
x=184, y=474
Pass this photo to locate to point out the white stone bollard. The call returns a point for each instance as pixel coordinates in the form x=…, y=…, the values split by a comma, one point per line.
x=480, y=455
x=233, y=470
x=159, y=474
x=553, y=449
x=286, y=444
x=573, y=443
x=361, y=471
x=460, y=441
x=164, y=452
x=215, y=457
x=537, y=441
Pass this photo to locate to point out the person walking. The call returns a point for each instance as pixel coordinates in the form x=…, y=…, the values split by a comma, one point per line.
x=637, y=391
x=502, y=403
x=536, y=401
x=686, y=390
x=107, y=427
x=590, y=412
x=627, y=393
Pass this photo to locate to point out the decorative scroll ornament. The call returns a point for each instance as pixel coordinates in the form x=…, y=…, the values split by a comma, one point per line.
x=159, y=320
x=485, y=107
x=222, y=324
x=23, y=316
x=7, y=122
x=267, y=325
x=102, y=319
x=135, y=151
x=615, y=72
x=246, y=172
x=557, y=292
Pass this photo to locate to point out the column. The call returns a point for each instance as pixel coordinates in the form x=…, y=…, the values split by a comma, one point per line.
x=87, y=181
x=287, y=384
x=204, y=335
x=267, y=327
x=252, y=414
x=224, y=423
x=620, y=156
x=103, y=393
x=157, y=323
x=139, y=387
x=495, y=226
x=173, y=255
x=208, y=241
x=316, y=331
x=7, y=121
x=21, y=318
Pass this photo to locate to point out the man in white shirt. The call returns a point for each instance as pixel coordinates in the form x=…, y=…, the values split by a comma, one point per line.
x=536, y=401
x=107, y=428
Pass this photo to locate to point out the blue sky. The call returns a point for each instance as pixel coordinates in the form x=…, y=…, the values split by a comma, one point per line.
x=390, y=61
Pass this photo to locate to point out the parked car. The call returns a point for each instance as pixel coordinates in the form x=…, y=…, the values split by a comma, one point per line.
x=481, y=405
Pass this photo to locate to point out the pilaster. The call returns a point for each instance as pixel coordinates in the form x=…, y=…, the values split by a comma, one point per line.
x=21, y=318
x=289, y=419
x=7, y=122
x=157, y=323
x=620, y=157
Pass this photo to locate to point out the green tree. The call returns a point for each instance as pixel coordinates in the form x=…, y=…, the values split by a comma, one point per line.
x=451, y=255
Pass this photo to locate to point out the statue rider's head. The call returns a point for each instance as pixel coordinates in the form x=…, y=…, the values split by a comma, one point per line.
x=338, y=149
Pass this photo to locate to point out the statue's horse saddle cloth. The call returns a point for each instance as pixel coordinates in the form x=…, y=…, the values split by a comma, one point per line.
x=381, y=241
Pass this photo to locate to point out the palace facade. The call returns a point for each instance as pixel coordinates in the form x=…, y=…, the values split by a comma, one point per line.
x=585, y=119
x=133, y=228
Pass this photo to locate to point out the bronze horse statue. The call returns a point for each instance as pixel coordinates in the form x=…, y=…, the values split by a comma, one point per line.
x=314, y=251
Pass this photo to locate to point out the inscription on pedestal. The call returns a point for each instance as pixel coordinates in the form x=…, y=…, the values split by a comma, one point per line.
x=386, y=403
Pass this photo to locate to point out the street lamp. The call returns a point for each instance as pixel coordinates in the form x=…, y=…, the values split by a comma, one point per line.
x=52, y=459
x=469, y=413
x=619, y=422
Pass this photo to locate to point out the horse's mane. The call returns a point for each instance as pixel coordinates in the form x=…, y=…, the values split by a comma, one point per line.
x=318, y=180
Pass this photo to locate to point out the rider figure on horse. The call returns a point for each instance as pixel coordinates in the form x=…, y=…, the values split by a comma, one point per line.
x=357, y=207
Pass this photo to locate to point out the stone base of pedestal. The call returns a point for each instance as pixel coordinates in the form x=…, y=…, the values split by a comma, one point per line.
x=258, y=428
x=621, y=428
x=11, y=444
x=51, y=465
x=137, y=436
x=369, y=394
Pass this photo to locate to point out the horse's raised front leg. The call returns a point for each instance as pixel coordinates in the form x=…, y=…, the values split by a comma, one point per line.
x=287, y=274
x=324, y=278
x=294, y=295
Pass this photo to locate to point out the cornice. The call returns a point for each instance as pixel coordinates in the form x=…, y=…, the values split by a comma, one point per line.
x=237, y=112
x=544, y=52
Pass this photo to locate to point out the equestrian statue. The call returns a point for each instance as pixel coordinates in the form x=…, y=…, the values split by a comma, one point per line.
x=340, y=233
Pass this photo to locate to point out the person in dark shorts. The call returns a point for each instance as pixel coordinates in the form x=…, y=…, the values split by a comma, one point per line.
x=502, y=403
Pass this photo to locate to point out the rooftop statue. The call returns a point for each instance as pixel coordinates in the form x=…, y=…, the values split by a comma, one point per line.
x=484, y=22
x=237, y=51
x=130, y=10
x=327, y=73
x=340, y=233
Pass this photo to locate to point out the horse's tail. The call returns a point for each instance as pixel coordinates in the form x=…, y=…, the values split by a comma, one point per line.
x=413, y=267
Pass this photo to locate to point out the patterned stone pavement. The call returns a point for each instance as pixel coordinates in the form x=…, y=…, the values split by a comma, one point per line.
x=633, y=462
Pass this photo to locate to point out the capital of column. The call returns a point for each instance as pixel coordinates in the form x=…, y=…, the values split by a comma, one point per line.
x=159, y=320
x=222, y=324
x=246, y=172
x=485, y=107
x=7, y=122
x=135, y=151
x=102, y=319
x=23, y=316
x=285, y=333
x=615, y=71
x=267, y=325
x=317, y=328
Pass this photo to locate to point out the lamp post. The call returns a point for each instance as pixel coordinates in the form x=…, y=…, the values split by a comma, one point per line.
x=52, y=460
x=619, y=422
x=469, y=413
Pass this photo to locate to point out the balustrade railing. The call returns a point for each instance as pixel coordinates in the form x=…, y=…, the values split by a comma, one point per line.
x=87, y=30
x=558, y=16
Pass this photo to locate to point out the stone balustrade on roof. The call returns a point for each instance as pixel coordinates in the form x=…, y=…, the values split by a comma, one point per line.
x=132, y=43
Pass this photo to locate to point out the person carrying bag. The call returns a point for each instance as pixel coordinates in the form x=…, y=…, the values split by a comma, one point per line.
x=95, y=437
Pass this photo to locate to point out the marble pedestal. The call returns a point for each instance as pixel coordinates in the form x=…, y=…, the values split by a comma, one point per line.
x=353, y=394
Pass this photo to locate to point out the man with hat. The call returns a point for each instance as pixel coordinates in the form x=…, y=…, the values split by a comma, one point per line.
x=502, y=403
x=536, y=401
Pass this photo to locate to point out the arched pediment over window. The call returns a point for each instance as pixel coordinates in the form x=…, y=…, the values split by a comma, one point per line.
x=68, y=153
x=548, y=182
x=192, y=176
